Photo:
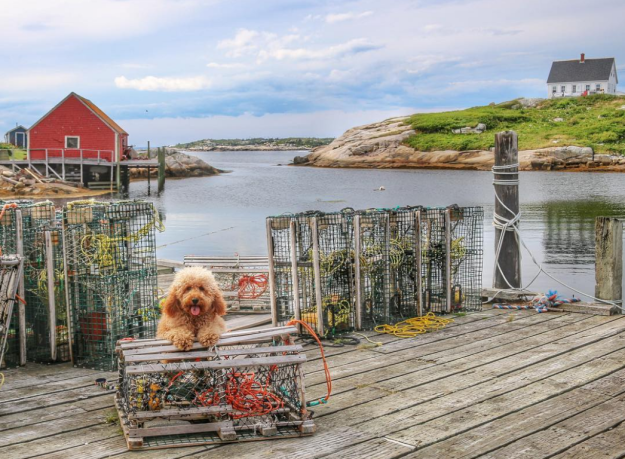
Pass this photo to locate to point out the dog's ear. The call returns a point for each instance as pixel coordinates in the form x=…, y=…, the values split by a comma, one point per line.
x=219, y=305
x=171, y=305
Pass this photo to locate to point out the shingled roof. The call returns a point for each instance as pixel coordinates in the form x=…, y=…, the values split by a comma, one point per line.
x=589, y=70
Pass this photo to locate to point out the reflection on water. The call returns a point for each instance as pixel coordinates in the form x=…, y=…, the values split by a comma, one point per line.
x=557, y=223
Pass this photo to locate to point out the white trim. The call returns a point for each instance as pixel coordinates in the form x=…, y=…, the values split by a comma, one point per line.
x=23, y=134
x=73, y=137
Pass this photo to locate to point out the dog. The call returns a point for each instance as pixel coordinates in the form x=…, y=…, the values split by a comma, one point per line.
x=193, y=309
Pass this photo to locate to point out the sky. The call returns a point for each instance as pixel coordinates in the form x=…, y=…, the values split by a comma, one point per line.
x=173, y=71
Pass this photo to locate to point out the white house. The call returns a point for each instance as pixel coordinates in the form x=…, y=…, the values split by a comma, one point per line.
x=582, y=77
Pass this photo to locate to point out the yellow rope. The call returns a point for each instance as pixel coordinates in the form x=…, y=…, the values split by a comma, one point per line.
x=377, y=343
x=1, y=380
x=415, y=326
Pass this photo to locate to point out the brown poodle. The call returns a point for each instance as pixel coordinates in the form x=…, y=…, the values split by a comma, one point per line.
x=193, y=308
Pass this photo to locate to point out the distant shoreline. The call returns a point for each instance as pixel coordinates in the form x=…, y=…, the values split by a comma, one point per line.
x=224, y=148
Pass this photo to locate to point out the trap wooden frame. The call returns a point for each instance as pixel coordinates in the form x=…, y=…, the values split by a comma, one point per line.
x=187, y=421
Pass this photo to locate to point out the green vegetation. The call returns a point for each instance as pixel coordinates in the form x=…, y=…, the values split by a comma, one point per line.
x=291, y=142
x=9, y=151
x=596, y=121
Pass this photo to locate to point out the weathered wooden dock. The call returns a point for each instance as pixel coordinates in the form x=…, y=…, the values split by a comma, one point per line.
x=496, y=384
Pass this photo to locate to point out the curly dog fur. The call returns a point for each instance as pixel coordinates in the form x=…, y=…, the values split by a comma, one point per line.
x=193, y=308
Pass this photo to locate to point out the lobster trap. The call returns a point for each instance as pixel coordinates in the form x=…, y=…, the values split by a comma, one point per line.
x=311, y=257
x=10, y=275
x=111, y=276
x=248, y=387
x=359, y=269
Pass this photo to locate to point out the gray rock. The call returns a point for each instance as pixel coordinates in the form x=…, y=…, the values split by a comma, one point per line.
x=300, y=160
x=558, y=120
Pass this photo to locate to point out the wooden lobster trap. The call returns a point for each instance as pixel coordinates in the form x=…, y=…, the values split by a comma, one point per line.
x=248, y=387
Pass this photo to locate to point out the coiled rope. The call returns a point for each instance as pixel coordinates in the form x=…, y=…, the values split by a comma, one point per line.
x=416, y=326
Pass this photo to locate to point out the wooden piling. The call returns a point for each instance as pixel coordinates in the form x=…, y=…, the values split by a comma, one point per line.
x=149, y=169
x=21, y=307
x=506, y=171
x=608, y=258
x=161, y=170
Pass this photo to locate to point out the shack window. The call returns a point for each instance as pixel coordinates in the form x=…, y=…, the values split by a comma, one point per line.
x=598, y=87
x=587, y=87
x=562, y=88
x=574, y=88
x=72, y=142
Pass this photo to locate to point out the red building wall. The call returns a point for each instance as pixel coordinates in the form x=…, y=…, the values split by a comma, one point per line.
x=72, y=118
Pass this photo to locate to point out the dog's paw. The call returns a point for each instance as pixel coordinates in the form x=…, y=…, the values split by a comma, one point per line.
x=183, y=342
x=208, y=339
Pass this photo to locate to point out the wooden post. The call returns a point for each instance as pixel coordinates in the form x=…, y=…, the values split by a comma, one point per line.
x=272, y=274
x=161, y=170
x=295, y=279
x=317, y=275
x=148, y=168
x=357, y=274
x=21, y=307
x=506, y=183
x=63, y=164
x=51, y=298
x=68, y=309
x=448, y=289
x=419, y=264
x=608, y=258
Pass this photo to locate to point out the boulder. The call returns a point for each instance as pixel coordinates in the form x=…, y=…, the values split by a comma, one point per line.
x=300, y=160
x=183, y=165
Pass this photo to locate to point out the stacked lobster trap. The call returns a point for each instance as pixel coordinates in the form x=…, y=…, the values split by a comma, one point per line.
x=111, y=276
x=249, y=387
x=354, y=270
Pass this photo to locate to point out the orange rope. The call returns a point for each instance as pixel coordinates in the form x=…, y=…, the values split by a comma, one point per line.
x=252, y=287
x=325, y=363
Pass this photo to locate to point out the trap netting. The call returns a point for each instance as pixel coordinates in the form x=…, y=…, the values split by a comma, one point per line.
x=232, y=392
x=356, y=270
x=10, y=274
x=110, y=253
x=44, y=284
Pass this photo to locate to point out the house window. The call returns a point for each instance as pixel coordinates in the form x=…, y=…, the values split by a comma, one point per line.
x=72, y=142
x=574, y=88
x=598, y=87
x=562, y=88
x=554, y=89
x=587, y=87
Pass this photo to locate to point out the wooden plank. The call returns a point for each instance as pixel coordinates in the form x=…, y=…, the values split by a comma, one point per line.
x=317, y=275
x=21, y=307
x=179, y=429
x=249, y=362
x=357, y=273
x=294, y=273
x=188, y=412
x=207, y=354
x=272, y=275
x=226, y=338
x=490, y=436
x=610, y=443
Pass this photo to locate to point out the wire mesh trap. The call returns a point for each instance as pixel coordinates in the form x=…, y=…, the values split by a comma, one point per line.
x=110, y=259
x=359, y=269
x=10, y=274
x=249, y=387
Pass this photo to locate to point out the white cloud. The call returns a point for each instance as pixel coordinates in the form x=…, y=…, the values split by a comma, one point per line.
x=432, y=27
x=355, y=46
x=152, y=83
x=41, y=80
x=425, y=63
x=217, y=65
x=333, y=18
x=479, y=85
x=243, y=42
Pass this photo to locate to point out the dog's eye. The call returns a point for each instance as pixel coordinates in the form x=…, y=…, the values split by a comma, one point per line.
x=188, y=289
x=201, y=289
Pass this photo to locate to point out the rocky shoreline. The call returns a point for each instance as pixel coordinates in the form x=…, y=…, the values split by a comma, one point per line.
x=247, y=148
x=381, y=146
x=179, y=165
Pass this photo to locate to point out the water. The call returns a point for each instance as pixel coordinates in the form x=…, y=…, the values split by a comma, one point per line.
x=557, y=223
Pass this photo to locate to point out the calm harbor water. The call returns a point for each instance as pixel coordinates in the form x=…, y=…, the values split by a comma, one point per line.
x=557, y=223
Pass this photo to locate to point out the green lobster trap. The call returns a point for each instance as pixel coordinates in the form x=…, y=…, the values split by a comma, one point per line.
x=111, y=276
x=360, y=269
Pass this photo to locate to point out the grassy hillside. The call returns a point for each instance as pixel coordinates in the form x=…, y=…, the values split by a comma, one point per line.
x=595, y=121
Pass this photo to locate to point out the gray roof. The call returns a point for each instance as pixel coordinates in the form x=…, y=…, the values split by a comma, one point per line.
x=572, y=71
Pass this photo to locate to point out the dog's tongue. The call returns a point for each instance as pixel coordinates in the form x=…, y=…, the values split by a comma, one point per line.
x=195, y=310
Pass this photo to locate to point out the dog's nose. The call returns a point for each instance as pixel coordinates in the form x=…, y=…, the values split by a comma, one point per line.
x=194, y=300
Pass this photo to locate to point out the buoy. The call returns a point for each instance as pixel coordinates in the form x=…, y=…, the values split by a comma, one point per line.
x=380, y=189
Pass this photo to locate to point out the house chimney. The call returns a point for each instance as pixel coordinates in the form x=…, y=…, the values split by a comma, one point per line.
x=582, y=58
